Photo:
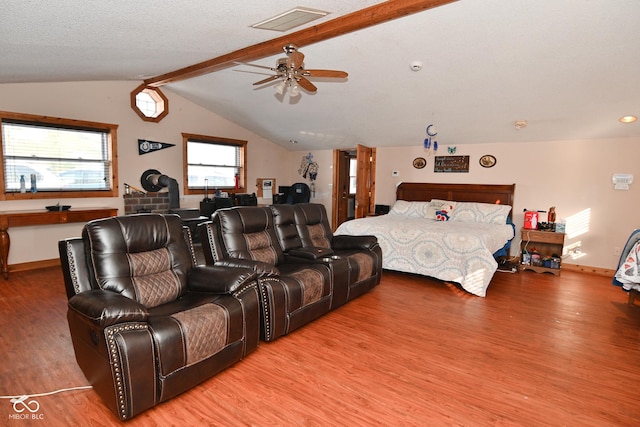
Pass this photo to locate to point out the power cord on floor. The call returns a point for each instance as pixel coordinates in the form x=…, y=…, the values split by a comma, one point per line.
x=34, y=406
x=85, y=387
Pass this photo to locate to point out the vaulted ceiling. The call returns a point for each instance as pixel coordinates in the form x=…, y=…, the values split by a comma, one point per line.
x=570, y=69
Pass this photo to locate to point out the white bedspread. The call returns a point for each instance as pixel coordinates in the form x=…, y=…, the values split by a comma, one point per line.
x=451, y=251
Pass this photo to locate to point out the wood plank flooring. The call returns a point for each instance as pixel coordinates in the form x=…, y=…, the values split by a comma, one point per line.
x=539, y=350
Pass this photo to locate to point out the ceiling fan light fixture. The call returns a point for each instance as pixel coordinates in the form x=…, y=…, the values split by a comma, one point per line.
x=280, y=87
x=295, y=91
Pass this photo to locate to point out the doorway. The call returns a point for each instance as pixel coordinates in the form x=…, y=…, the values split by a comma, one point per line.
x=353, y=184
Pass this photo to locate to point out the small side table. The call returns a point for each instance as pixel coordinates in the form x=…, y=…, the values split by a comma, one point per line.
x=547, y=243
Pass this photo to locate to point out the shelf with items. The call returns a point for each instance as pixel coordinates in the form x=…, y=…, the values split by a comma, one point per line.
x=541, y=251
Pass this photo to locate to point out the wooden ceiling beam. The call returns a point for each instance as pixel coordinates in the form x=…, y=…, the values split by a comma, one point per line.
x=368, y=17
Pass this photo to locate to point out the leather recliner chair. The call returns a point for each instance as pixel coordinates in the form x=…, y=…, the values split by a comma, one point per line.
x=146, y=322
x=293, y=291
x=306, y=226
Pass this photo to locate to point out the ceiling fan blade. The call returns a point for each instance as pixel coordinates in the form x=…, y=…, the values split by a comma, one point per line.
x=306, y=84
x=267, y=80
x=325, y=73
x=295, y=60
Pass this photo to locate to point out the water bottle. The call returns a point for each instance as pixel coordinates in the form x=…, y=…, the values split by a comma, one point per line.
x=23, y=188
x=34, y=186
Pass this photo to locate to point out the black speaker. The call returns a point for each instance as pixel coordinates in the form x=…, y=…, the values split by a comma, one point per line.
x=382, y=209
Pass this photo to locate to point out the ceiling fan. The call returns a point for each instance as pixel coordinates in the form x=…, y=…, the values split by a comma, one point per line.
x=291, y=72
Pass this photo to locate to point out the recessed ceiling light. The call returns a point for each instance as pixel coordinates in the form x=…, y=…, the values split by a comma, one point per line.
x=293, y=141
x=627, y=119
x=519, y=124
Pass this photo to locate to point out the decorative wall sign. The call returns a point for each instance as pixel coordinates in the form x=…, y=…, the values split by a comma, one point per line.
x=145, y=146
x=419, y=162
x=308, y=167
x=487, y=161
x=451, y=164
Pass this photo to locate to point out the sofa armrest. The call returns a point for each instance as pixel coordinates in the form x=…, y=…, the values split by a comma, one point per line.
x=313, y=253
x=105, y=308
x=220, y=280
x=262, y=268
x=343, y=241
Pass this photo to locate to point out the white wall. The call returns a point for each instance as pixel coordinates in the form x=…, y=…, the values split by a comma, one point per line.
x=573, y=176
x=109, y=102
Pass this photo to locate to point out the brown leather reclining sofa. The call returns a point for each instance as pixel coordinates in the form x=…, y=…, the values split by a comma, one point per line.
x=304, y=271
x=148, y=323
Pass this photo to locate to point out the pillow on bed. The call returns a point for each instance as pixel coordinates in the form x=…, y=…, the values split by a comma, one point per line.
x=440, y=210
x=410, y=209
x=481, y=212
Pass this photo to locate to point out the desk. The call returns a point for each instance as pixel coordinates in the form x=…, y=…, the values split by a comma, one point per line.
x=42, y=217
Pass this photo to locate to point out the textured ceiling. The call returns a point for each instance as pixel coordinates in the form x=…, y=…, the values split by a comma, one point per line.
x=567, y=67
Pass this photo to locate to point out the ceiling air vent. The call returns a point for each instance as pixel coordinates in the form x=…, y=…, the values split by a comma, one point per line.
x=290, y=19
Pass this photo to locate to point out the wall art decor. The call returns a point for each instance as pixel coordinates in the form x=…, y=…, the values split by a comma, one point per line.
x=145, y=146
x=419, y=162
x=451, y=164
x=487, y=161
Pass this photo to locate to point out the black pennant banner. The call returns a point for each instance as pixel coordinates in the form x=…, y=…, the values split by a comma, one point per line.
x=145, y=146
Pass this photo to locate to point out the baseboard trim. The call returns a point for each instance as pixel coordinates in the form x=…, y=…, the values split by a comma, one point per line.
x=34, y=265
x=591, y=270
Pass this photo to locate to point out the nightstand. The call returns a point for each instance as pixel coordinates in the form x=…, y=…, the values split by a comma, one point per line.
x=547, y=244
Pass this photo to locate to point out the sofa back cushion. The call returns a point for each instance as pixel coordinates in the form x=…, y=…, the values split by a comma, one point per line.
x=285, y=227
x=246, y=232
x=313, y=225
x=143, y=257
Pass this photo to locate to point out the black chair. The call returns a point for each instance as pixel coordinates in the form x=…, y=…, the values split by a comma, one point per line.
x=207, y=208
x=299, y=193
x=246, y=199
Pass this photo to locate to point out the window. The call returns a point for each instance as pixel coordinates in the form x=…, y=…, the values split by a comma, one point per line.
x=149, y=103
x=353, y=172
x=45, y=157
x=213, y=163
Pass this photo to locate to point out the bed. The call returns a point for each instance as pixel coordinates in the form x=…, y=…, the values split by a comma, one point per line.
x=451, y=232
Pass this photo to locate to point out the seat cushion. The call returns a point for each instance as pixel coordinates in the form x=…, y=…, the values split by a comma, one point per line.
x=364, y=263
x=194, y=328
x=205, y=331
x=305, y=283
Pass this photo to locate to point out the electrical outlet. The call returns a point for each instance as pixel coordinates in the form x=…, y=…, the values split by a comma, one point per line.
x=395, y=173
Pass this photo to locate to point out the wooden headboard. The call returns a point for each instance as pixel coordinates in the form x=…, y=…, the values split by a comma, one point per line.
x=483, y=193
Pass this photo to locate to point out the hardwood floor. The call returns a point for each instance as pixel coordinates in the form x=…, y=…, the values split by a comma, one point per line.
x=539, y=350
